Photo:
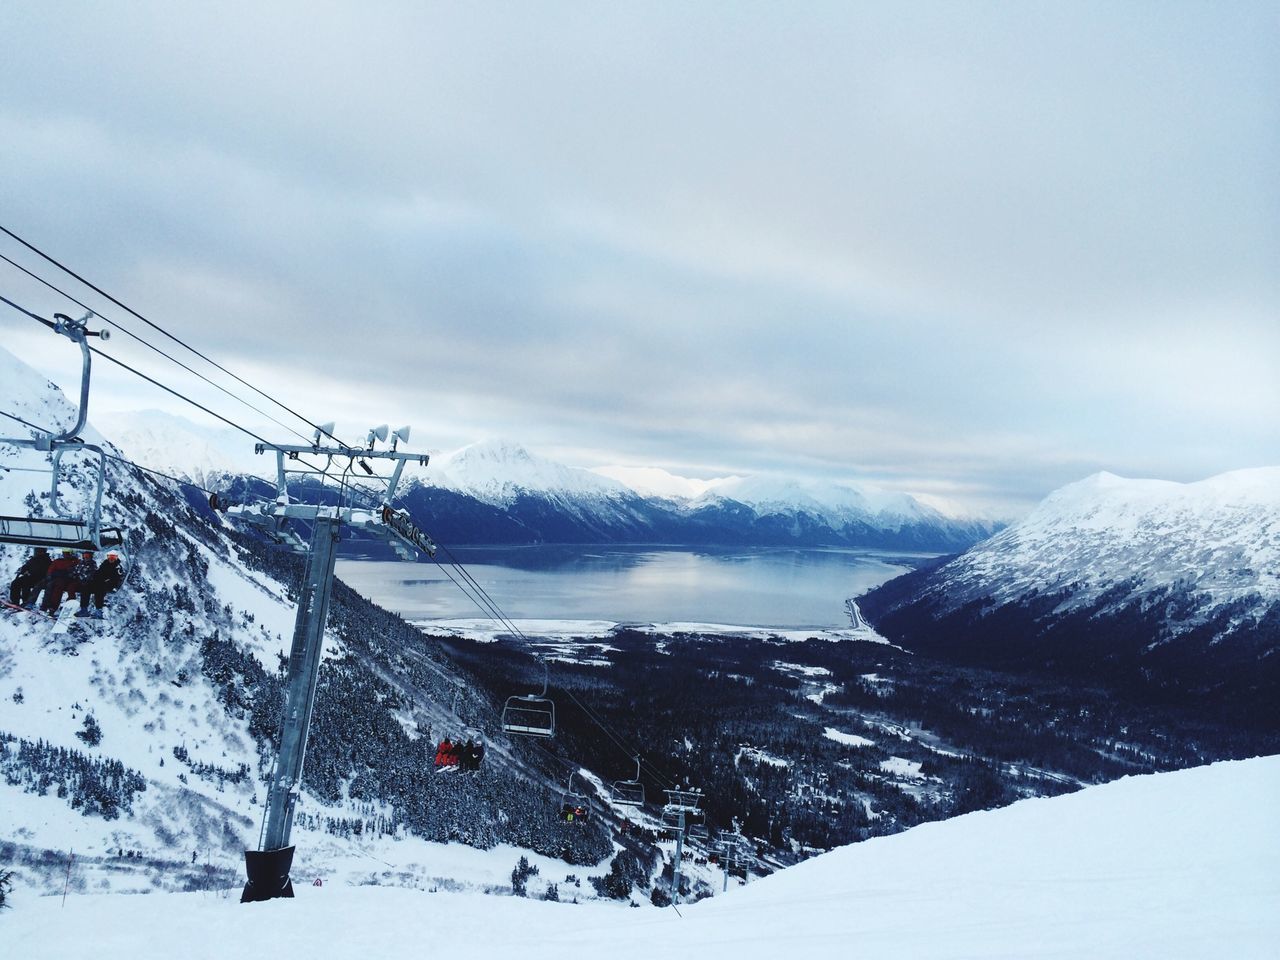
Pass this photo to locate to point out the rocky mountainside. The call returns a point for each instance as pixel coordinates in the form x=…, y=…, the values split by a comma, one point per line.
x=1150, y=584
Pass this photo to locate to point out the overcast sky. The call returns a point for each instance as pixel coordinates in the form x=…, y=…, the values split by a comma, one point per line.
x=961, y=249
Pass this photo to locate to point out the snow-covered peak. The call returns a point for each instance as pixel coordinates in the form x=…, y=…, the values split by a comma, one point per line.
x=497, y=471
x=837, y=501
x=177, y=446
x=656, y=482
x=1218, y=537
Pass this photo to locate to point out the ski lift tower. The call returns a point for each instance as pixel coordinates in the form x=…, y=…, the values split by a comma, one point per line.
x=268, y=867
x=732, y=850
x=680, y=805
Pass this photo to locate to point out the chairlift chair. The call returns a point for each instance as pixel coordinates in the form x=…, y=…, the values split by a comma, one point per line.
x=686, y=800
x=533, y=715
x=628, y=793
x=71, y=534
x=66, y=531
x=574, y=807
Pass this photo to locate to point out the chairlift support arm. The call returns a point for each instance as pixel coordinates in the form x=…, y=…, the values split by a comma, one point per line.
x=70, y=531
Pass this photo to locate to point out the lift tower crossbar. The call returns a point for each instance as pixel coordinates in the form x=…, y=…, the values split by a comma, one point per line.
x=268, y=867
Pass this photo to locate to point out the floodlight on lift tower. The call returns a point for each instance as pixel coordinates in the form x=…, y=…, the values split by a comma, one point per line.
x=268, y=867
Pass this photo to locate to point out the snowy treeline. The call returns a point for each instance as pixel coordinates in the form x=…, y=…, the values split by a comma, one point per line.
x=92, y=785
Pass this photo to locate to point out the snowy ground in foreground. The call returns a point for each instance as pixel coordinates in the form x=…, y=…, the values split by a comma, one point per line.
x=1170, y=866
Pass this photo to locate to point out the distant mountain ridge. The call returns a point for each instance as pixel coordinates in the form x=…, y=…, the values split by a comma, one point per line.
x=1143, y=582
x=498, y=492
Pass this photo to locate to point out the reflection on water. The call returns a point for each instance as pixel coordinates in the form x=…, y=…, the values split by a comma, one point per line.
x=776, y=588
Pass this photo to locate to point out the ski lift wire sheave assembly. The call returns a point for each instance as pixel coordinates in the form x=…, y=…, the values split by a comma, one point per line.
x=388, y=523
x=67, y=530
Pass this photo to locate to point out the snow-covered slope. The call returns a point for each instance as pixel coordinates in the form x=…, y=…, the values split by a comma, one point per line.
x=1219, y=538
x=656, y=482
x=1176, y=865
x=838, y=503
x=181, y=448
x=183, y=687
x=1177, y=582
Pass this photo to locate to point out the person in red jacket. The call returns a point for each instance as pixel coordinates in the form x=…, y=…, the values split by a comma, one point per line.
x=59, y=581
x=444, y=752
x=453, y=756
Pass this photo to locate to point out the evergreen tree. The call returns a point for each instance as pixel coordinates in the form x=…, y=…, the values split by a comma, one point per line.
x=92, y=733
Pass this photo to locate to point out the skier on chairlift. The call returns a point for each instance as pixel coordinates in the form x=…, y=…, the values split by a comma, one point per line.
x=107, y=577
x=466, y=755
x=26, y=585
x=474, y=754
x=571, y=812
x=59, y=581
x=82, y=575
x=447, y=754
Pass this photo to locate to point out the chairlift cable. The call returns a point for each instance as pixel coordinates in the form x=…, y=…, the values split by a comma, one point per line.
x=118, y=459
x=231, y=423
x=582, y=706
x=34, y=316
x=510, y=625
x=481, y=592
x=146, y=343
x=160, y=329
x=25, y=423
x=179, y=395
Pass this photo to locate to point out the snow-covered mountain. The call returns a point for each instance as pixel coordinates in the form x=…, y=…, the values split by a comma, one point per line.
x=837, y=502
x=1176, y=865
x=656, y=482
x=150, y=732
x=497, y=491
x=497, y=472
x=180, y=448
x=1134, y=574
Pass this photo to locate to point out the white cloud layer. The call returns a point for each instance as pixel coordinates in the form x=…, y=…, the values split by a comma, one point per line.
x=967, y=250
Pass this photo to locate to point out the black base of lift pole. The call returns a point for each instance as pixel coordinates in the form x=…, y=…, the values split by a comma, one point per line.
x=268, y=872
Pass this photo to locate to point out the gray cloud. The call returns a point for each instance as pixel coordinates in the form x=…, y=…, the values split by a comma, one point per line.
x=956, y=248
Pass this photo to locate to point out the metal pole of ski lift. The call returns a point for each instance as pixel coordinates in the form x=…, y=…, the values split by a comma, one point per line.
x=268, y=868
